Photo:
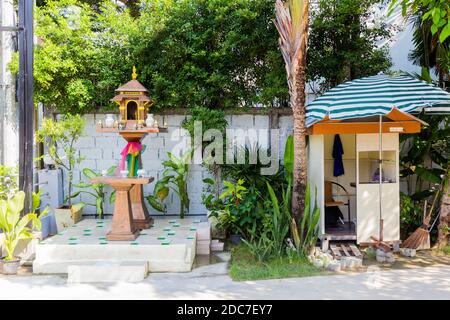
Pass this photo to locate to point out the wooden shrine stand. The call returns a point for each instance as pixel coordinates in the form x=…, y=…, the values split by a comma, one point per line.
x=130, y=213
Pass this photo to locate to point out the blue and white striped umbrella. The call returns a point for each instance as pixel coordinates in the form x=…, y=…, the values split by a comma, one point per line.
x=377, y=95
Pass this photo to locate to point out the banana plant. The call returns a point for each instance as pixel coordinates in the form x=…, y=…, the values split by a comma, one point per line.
x=16, y=227
x=174, y=178
x=97, y=190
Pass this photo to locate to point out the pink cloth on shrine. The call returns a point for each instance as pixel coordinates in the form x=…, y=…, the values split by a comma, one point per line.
x=130, y=148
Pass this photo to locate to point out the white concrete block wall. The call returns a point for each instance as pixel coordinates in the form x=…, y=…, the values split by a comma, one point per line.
x=102, y=150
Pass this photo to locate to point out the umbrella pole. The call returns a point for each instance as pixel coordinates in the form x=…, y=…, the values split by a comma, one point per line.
x=380, y=171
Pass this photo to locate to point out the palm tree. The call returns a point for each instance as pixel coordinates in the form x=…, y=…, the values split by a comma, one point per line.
x=291, y=21
x=428, y=51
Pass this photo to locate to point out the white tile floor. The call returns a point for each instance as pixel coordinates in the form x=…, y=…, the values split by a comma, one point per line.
x=169, y=245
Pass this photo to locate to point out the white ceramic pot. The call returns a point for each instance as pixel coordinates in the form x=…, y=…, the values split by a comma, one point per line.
x=10, y=267
x=109, y=120
x=150, y=121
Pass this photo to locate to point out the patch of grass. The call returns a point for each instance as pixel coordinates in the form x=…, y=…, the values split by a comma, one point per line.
x=245, y=267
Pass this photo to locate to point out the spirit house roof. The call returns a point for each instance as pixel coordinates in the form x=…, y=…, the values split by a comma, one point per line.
x=133, y=89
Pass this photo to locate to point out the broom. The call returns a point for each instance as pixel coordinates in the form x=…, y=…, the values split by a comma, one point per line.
x=421, y=235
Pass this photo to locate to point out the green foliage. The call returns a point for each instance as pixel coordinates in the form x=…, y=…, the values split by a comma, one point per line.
x=231, y=206
x=97, y=190
x=8, y=181
x=209, y=200
x=435, y=11
x=446, y=249
x=342, y=45
x=189, y=53
x=209, y=118
x=59, y=138
x=174, y=178
x=217, y=54
x=279, y=228
x=289, y=159
x=411, y=215
x=250, y=169
x=429, y=53
x=82, y=55
x=419, y=150
x=15, y=227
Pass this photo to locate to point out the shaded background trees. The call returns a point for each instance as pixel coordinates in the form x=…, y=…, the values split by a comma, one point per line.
x=216, y=54
x=343, y=42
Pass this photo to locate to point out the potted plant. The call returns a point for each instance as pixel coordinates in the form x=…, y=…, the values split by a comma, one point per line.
x=97, y=190
x=15, y=228
x=59, y=137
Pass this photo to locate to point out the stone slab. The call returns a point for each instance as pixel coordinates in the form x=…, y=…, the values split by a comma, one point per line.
x=110, y=271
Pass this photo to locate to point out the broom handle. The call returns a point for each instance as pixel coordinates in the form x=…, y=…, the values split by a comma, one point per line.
x=434, y=202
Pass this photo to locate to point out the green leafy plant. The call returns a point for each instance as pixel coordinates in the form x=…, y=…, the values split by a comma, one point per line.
x=231, y=198
x=97, y=190
x=8, y=181
x=175, y=179
x=59, y=137
x=14, y=226
x=280, y=219
x=250, y=169
x=209, y=199
x=411, y=215
x=260, y=246
x=437, y=12
x=342, y=46
x=304, y=231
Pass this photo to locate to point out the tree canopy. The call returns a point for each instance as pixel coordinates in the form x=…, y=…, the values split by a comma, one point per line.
x=188, y=53
x=343, y=42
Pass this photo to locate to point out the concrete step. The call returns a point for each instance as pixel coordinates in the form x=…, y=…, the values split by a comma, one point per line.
x=107, y=271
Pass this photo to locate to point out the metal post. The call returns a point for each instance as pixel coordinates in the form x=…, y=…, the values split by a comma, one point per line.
x=25, y=98
x=380, y=171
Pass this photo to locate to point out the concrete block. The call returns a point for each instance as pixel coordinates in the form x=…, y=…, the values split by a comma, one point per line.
x=108, y=142
x=91, y=164
x=286, y=122
x=174, y=120
x=216, y=245
x=105, y=164
x=407, y=252
x=242, y=121
x=334, y=266
x=152, y=165
x=203, y=248
x=109, y=154
x=390, y=259
x=85, y=142
x=261, y=121
x=91, y=154
x=151, y=154
x=108, y=271
x=153, y=143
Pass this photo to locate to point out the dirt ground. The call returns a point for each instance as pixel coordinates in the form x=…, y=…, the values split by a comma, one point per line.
x=423, y=258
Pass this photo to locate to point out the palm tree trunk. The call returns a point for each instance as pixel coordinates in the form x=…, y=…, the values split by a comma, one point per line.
x=298, y=99
x=298, y=102
x=291, y=21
